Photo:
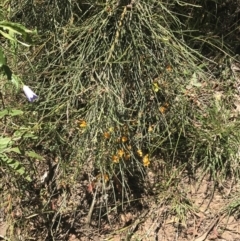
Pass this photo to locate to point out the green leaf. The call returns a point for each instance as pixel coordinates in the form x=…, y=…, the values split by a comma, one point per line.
x=11, y=112
x=28, y=178
x=23, y=132
x=3, y=113
x=197, y=84
x=7, y=36
x=16, y=80
x=14, y=149
x=14, y=112
x=4, y=143
x=194, y=82
x=29, y=134
x=3, y=60
x=15, y=165
x=14, y=27
x=34, y=155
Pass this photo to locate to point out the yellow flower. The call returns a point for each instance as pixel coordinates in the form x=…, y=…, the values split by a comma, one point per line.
x=163, y=108
x=155, y=87
x=105, y=177
x=124, y=139
x=106, y=135
x=139, y=152
x=169, y=68
x=150, y=128
x=82, y=123
x=111, y=129
x=127, y=157
x=146, y=161
x=120, y=153
x=129, y=147
x=115, y=159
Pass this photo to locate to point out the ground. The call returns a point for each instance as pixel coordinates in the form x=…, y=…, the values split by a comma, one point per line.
x=196, y=209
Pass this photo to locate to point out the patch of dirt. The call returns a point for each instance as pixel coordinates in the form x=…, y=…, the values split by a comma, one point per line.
x=210, y=216
x=208, y=220
x=3, y=229
x=87, y=208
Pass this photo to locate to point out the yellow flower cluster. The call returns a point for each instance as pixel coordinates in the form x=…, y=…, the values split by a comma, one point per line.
x=123, y=153
x=82, y=123
x=145, y=158
x=164, y=108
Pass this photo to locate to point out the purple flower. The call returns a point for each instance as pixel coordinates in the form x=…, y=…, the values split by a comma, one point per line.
x=29, y=93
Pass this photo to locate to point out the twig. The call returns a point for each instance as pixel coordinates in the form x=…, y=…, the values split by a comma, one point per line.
x=204, y=235
x=89, y=216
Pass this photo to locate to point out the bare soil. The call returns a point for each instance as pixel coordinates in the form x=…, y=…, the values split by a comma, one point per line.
x=72, y=211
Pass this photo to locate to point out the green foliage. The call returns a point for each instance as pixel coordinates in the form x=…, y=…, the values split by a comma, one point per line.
x=11, y=112
x=6, y=148
x=119, y=57
x=128, y=69
x=216, y=144
x=10, y=150
x=10, y=31
x=122, y=86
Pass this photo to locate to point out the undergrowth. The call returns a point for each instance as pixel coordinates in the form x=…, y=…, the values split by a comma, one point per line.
x=120, y=93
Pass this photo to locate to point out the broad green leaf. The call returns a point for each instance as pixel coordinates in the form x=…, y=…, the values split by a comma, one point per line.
x=5, y=140
x=18, y=134
x=14, y=112
x=3, y=113
x=11, y=112
x=14, y=149
x=28, y=178
x=24, y=133
x=15, y=165
x=4, y=143
x=34, y=155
